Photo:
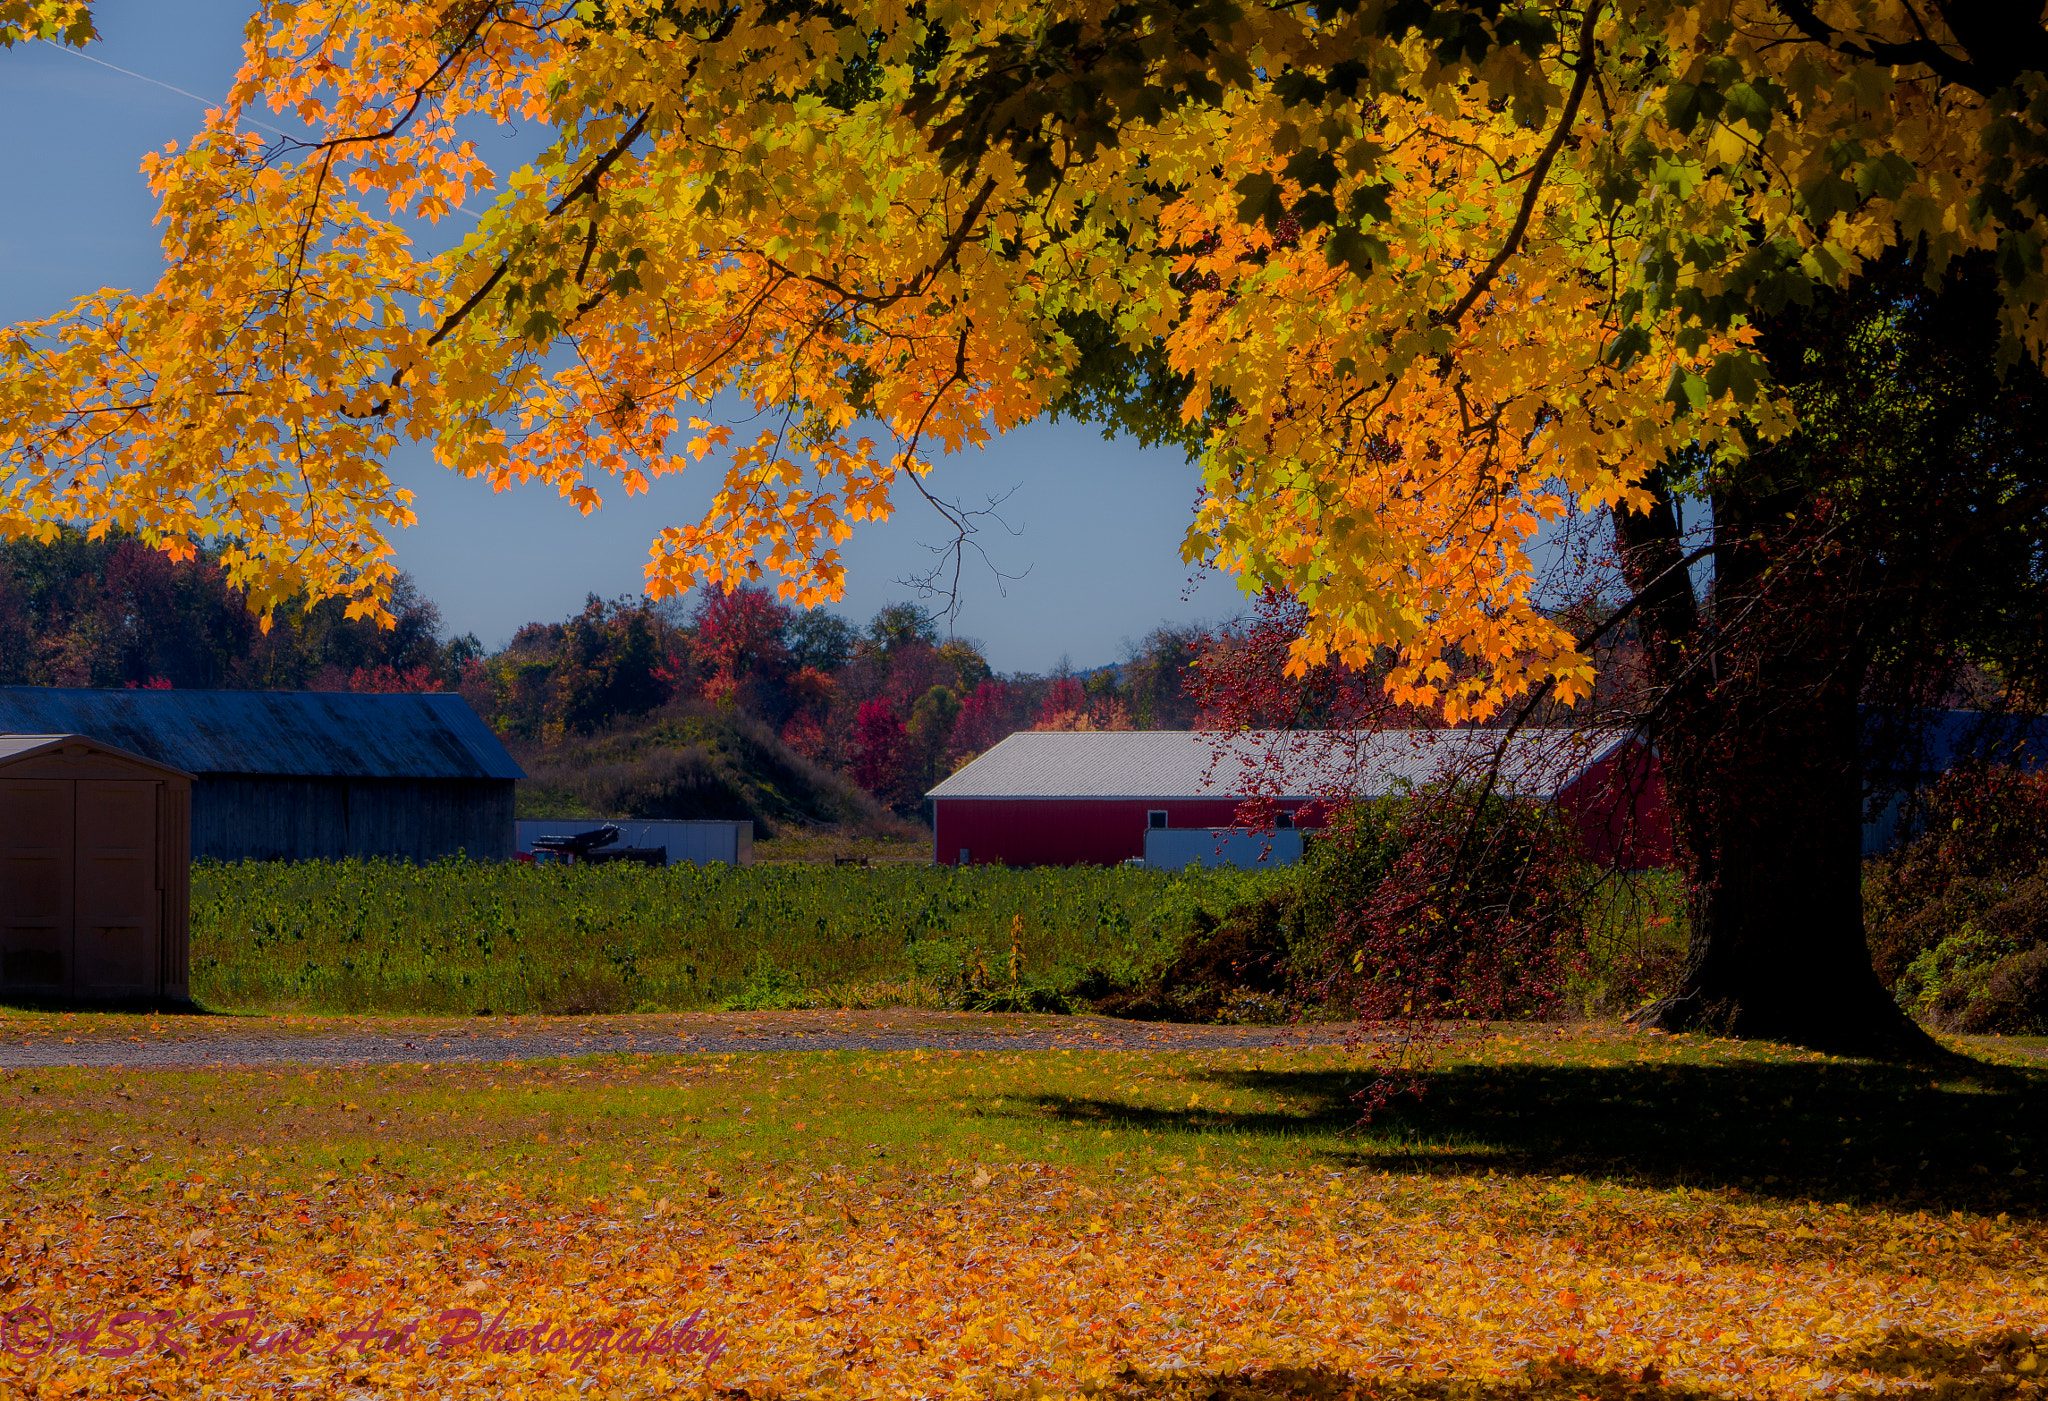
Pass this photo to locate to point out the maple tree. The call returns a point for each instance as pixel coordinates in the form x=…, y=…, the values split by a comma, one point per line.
x=1868, y=570
x=1413, y=277
x=879, y=759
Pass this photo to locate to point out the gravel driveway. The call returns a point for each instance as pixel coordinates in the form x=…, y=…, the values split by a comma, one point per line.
x=116, y=1040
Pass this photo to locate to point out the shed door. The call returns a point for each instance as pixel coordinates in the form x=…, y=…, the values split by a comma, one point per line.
x=37, y=856
x=118, y=904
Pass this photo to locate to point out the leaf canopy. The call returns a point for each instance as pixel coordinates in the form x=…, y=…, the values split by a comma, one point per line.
x=1413, y=278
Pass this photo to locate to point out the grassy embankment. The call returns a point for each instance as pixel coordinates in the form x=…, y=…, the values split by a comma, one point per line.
x=1669, y=1213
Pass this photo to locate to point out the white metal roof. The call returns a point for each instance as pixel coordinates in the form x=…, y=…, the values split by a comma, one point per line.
x=1279, y=763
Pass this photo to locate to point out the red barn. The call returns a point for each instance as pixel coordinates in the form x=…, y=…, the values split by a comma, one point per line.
x=1061, y=798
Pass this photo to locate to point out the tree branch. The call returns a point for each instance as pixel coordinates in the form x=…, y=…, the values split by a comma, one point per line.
x=1989, y=61
x=1537, y=173
x=948, y=256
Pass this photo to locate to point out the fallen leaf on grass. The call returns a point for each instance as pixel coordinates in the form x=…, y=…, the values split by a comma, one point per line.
x=927, y=1292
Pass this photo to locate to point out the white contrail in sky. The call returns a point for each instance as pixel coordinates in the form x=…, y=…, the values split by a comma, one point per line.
x=202, y=101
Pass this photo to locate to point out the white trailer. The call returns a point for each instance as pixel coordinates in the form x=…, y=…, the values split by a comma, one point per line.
x=1176, y=848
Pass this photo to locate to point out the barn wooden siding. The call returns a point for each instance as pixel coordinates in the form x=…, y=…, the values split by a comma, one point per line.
x=174, y=830
x=1067, y=831
x=239, y=817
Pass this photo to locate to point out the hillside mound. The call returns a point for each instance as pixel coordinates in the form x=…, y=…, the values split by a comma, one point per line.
x=694, y=760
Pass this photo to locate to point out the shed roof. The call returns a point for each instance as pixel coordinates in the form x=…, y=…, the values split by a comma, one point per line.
x=310, y=734
x=1278, y=763
x=25, y=748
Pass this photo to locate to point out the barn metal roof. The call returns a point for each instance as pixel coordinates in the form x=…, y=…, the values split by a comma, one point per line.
x=1280, y=763
x=309, y=734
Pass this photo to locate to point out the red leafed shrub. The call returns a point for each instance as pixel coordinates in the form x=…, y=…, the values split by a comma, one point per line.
x=385, y=680
x=1443, y=904
x=1976, y=821
x=1436, y=907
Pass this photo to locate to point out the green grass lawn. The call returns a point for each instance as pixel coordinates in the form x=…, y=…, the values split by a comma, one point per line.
x=1652, y=1112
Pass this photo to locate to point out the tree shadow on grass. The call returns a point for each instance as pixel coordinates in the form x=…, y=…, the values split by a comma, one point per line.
x=1842, y=1130
x=1983, y=1368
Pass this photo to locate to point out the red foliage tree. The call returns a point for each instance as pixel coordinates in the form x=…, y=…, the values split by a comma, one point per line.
x=1064, y=698
x=987, y=717
x=879, y=743
x=816, y=726
x=740, y=633
x=1240, y=681
x=388, y=680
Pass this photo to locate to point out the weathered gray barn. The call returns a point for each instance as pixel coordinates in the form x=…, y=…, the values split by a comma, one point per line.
x=298, y=775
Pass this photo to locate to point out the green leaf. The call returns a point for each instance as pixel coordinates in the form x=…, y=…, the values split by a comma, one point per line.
x=1628, y=347
x=1886, y=178
x=1363, y=157
x=1734, y=373
x=1746, y=104
x=1354, y=250
x=1370, y=202
x=1312, y=170
x=1686, y=392
x=1315, y=209
x=1682, y=106
x=1259, y=200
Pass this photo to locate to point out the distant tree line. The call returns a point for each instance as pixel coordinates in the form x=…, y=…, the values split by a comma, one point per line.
x=894, y=704
x=114, y=612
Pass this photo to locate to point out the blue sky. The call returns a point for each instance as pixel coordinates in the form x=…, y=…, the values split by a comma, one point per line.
x=1100, y=522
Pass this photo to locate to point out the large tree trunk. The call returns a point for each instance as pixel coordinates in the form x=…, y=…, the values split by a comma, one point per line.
x=1768, y=796
x=1756, y=722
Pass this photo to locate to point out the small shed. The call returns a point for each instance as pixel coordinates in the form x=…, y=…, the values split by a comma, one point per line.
x=305, y=775
x=1062, y=798
x=95, y=871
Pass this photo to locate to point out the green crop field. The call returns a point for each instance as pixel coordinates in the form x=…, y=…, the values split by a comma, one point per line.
x=465, y=937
